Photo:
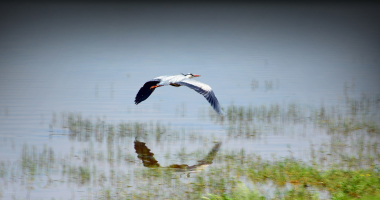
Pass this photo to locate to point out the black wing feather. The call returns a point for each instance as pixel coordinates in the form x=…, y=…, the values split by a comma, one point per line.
x=145, y=91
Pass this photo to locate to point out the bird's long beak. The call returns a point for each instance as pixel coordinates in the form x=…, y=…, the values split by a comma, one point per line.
x=195, y=75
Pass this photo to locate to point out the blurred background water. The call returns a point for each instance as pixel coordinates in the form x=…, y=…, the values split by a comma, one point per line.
x=93, y=58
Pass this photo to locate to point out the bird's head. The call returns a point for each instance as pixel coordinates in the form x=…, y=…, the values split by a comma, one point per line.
x=190, y=75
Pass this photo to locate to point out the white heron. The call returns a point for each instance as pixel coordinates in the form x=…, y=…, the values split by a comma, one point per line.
x=176, y=81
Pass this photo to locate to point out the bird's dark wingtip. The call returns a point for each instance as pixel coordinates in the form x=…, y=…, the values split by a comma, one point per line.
x=145, y=91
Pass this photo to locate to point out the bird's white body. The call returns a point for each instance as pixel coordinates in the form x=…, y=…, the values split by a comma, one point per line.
x=167, y=80
x=179, y=80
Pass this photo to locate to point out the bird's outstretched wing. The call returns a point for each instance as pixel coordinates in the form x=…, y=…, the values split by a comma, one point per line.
x=204, y=90
x=145, y=91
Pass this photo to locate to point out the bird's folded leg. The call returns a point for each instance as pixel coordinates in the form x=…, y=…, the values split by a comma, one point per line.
x=155, y=86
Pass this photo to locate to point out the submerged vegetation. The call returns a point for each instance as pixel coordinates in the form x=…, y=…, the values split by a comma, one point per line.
x=113, y=161
x=306, y=182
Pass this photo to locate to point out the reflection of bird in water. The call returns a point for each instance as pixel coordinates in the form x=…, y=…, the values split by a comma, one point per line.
x=176, y=81
x=144, y=154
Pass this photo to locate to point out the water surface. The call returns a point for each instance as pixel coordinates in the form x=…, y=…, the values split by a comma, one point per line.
x=89, y=61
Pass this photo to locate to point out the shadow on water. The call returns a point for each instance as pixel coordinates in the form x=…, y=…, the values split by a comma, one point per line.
x=147, y=157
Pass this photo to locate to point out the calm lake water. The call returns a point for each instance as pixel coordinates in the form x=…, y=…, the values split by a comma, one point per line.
x=61, y=60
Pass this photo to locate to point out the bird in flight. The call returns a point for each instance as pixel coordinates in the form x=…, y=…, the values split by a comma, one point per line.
x=176, y=81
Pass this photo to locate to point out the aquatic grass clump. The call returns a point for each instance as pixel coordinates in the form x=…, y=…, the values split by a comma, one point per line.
x=305, y=181
x=241, y=192
x=33, y=162
x=290, y=112
x=283, y=172
x=340, y=183
x=350, y=116
x=87, y=130
x=347, y=184
x=77, y=174
x=299, y=193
